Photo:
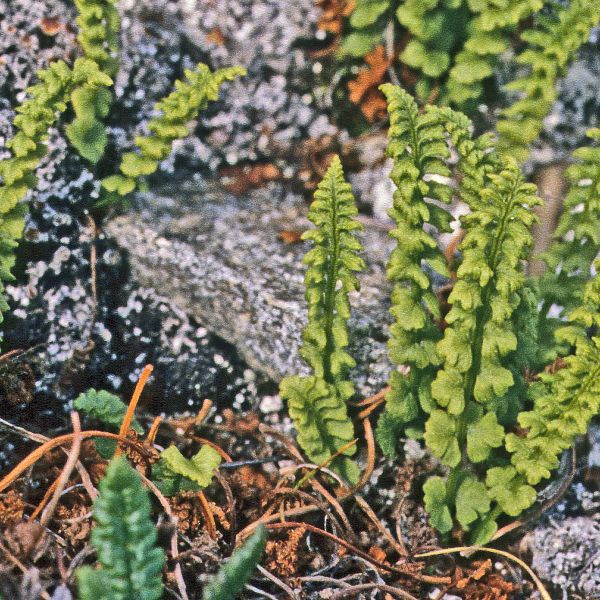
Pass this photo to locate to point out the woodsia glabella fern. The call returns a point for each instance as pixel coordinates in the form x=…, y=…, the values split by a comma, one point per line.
x=466, y=392
x=317, y=403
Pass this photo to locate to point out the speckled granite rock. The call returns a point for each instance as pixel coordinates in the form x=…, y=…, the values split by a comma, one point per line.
x=220, y=259
x=568, y=555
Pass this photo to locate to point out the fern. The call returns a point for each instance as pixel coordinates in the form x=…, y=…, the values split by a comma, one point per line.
x=368, y=22
x=98, y=23
x=418, y=147
x=232, y=577
x=318, y=404
x=577, y=241
x=35, y=116
x=489, y=35
x=178, y=109
x=125, y=541
x=550, y=47
x=173, y=473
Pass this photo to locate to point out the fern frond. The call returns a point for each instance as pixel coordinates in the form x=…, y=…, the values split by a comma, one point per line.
x=489, y=35
x=99, y=23
x=318, y=404
x=368, y=21
x=125, y=541
x=480, y=331
x=551, y=45
x=104, y=407
x=417, y=144
x=565, y=401
x=178, y=109
x=35, y=116
x=231, y=578
x=577, y=237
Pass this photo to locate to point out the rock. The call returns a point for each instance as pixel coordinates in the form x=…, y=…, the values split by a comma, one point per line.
x=221, y=260
x=568, y=555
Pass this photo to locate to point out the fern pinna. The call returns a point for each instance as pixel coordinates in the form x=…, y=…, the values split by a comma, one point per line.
x=466, y=387
x=34, y=117
x=317, y=403
x=125, y=541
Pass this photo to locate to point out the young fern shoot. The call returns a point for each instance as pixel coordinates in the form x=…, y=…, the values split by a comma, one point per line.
x=317, y=403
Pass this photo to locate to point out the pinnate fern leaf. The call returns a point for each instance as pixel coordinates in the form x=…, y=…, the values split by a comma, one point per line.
x=551, y=45
x=35, y=116
x=318, y=403
x=177, y=110
x=125, y=541
x=231, y=578
x=418, y=147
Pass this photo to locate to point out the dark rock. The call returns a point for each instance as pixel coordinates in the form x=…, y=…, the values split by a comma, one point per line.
x=220, y=259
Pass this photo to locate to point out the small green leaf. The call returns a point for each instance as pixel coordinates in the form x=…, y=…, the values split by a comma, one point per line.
x=440, y=436
x=482, y=436
x=472, y=501
x=435, y=504
x=200, y=469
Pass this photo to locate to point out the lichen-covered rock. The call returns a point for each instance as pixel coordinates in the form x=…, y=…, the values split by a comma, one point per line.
x=221, y=259
x=568, y=555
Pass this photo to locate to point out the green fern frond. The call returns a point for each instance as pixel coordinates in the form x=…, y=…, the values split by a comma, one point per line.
x=551, y=45
x=367, y=21
x=125, y=541
x=99, y=24
x=480, y=331
x=232, y=577
x=489, y=35
x=104, y=407
x=35, y=117
x=178, y=109
x=417, y=144
x=577, y=235
x=318, y=404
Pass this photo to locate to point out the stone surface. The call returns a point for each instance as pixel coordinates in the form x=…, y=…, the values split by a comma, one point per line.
x=220, y=259
x=568, y=555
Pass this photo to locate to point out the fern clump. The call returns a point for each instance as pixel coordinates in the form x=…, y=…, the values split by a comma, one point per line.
x=178, y=109
x=551, y=45
x=125, y=541
x=464, y=387
x=35, y=116
x=317, y=403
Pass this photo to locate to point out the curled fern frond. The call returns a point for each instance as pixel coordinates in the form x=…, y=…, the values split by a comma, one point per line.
x=551, y=45
x=577, y=235
x=178, y=109
x=232, y=577
x=125, y=541
x=417, y=144
x=318, y=404
x=35, y=116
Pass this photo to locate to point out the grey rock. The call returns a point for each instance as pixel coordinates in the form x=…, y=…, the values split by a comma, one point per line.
x=568, y=555
x=219, y=258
